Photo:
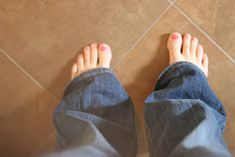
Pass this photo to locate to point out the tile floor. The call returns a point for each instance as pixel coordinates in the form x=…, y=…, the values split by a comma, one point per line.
x=40, y=39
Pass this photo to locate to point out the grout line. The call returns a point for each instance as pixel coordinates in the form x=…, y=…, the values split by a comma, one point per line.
x=27, y=74
x=204, y=33
x=44, y=144
x=142, y=36
x=171, y=1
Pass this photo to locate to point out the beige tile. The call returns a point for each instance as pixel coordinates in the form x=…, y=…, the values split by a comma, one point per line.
x=172, y=1
x=45, y=36
x=216, y=17
x=139, y=70
x=49, y=146
x=25, y=112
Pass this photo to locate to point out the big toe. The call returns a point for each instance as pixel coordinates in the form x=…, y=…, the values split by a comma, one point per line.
x=105, y=55
x=174, y=45
x=174, y=42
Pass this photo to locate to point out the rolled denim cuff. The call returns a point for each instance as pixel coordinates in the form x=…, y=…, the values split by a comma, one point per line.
x=184, y=80
x=179, y=66
x=85, y=75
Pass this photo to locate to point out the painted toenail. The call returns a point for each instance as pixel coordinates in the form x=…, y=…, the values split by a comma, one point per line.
x=174, y=36
x=103, y=48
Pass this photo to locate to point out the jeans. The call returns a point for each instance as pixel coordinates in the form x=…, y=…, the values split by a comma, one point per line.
x=183, y=117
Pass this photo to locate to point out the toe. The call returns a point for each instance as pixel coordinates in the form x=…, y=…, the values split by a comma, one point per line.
x=193, y=47
x=205, y=63
x=186, y=45
x=74, y=71
x=174, y=45
x=105, y=55
x=80, y=63
x=87, y=54
x=174, y=42
x=205, y=60
x=94, y=55
x=199, y=53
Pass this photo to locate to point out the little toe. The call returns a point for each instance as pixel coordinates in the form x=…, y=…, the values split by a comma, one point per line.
x=94, y=55
x=205, y=60
x=74, y=71
x=186, y=45
x=80, y=63
x=105, y=55
x=199, y=53
x=193, y=47
x=205, y=63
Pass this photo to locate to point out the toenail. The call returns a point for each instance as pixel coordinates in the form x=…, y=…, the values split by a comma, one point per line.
x=174, y=36
x=103, y=48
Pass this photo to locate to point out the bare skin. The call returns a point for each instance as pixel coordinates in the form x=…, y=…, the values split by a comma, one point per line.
x=93, y=56
x=191, y=51
x=100, y=55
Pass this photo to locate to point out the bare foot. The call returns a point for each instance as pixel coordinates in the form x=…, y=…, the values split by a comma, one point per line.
x=93, y=56
x=191, y=51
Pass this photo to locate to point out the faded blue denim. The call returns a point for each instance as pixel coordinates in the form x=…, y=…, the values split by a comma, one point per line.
x=183, y=116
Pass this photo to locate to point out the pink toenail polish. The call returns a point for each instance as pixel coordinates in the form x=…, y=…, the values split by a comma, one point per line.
x=103, y=48
x=174, y=37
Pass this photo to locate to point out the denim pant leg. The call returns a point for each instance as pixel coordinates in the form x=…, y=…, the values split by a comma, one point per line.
x=183, y=116
x=96, y=117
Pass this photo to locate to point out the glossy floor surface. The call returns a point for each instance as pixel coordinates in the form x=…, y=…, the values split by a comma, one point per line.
x=40, y=39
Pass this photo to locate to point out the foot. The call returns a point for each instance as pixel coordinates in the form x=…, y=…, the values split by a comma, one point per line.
x=93, y=56
x=187, y=49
